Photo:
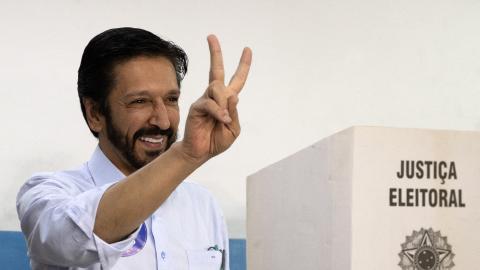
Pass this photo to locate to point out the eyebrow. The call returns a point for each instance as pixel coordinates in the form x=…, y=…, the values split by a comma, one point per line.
x=147, y=93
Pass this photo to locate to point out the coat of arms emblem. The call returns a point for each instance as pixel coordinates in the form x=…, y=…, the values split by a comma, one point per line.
x=426, y=250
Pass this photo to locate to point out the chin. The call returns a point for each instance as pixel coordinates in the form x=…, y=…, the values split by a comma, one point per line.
x=149, y=156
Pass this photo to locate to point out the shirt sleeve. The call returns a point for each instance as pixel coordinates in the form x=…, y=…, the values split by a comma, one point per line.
x=57, y=219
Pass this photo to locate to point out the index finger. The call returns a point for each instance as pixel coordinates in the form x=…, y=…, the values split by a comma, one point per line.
x=216, y=60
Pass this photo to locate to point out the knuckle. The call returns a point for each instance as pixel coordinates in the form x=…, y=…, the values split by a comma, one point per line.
x=217, y=91
x=210, y=102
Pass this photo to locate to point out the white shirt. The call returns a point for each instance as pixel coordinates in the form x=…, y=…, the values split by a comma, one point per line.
x=57, y=213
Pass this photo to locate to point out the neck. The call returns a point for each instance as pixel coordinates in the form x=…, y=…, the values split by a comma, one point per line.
x=115, y=156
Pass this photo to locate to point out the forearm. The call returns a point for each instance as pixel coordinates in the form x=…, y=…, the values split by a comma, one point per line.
x=125, y=205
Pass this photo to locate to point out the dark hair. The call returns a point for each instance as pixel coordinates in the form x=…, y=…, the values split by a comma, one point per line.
x=112, y=47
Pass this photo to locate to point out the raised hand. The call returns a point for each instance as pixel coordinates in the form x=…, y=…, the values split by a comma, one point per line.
x=212, y=124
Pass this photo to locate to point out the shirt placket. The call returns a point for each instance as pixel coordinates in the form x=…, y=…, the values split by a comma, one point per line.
x=159, y=229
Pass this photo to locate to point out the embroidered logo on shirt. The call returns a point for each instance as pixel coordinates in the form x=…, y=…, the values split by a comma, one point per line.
x=222, y=252
x=138, y=243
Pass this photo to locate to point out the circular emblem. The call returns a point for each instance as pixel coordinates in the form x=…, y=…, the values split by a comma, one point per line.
x=426, y=250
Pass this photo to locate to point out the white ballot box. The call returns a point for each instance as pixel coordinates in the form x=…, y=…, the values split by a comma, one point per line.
x=369, y=198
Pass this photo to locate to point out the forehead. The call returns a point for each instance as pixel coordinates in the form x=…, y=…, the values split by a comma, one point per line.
x=154, y=75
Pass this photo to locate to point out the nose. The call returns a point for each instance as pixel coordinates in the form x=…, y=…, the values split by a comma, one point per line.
x=159, y=116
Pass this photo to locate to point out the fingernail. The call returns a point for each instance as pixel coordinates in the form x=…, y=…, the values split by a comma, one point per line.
x=227, y=119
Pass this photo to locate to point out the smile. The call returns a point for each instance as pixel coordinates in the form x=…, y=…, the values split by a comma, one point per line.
x=152, y=140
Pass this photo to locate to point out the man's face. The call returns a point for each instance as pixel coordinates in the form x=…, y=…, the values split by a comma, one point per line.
x=143, y=114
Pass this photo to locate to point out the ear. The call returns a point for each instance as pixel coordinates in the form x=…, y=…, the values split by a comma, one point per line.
x=95, y=118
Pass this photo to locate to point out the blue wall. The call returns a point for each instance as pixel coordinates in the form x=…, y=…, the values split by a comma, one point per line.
x=13, y=251
x=238, y=254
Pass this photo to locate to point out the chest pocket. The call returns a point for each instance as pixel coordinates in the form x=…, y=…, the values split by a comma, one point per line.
x=204, y=260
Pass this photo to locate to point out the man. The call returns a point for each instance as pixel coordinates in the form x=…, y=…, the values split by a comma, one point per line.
x=128, y=207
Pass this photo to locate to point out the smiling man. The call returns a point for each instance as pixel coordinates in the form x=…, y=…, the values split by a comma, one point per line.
x=128, y=207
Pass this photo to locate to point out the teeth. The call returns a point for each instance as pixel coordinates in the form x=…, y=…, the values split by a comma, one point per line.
x=152, y=140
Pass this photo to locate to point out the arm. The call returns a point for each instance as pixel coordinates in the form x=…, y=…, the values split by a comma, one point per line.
x=211, y=127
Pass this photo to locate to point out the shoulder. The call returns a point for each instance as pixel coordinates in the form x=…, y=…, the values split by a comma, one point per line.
x=73, y=179
x=44, y=187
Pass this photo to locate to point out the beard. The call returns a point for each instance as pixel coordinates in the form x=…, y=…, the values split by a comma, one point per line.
x=126, y=146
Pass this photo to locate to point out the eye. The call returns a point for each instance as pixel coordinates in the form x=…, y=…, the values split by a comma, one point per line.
x=172, y=99
x=138, y=101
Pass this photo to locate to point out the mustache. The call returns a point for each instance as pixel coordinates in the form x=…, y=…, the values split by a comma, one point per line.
x=152, y=131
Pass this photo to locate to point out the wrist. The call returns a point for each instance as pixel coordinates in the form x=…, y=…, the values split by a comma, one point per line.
x=180, y=150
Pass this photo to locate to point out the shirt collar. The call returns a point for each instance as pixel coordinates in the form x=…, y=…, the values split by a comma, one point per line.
x=102, y=169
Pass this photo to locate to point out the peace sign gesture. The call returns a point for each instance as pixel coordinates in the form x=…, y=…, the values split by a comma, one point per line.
x=212, y=124
x=217, y=71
